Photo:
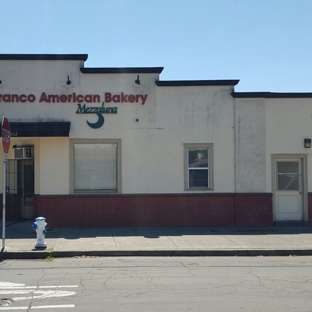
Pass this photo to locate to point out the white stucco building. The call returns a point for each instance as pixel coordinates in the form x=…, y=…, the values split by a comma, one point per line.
x=121, y=147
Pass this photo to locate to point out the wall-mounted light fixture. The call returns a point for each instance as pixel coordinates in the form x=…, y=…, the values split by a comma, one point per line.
x=137, y=82
x=1, y=84
x=68, y=84
x=307, y=143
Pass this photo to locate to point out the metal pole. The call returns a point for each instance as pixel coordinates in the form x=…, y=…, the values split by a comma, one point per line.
x=4, y=200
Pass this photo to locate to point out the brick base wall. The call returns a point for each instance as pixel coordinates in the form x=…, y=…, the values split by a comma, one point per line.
x=155, y=210
x=253, y=209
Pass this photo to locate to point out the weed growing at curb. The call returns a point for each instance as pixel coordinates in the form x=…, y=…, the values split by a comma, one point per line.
x=50, y=257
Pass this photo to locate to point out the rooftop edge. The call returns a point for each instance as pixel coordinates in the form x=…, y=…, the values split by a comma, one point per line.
x=44, y=57
x=187, y=83
x=121, y=70
x=271, y=94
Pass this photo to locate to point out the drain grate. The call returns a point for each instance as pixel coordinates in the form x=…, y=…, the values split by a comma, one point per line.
x=6, y=302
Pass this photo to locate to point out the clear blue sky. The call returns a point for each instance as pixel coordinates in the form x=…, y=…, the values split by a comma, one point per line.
x=267, y=44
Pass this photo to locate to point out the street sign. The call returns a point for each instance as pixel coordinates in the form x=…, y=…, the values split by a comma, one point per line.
x=6, y=134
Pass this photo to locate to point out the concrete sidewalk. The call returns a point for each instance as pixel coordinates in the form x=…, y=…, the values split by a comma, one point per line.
x=161, y=241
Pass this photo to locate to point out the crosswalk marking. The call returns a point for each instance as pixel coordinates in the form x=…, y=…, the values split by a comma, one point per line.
x=7, y=285
x=25, y=308
x=35, y=292
x=40, y=287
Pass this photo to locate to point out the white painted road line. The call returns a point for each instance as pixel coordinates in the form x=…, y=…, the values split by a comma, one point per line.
x=25, y=308
x=7, y=285
x=40, y=287
x=35, y=292
x=42, y=294
x=60, y=286
x=38, y=294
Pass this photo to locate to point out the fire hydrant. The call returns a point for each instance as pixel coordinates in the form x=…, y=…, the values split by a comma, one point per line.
x=39, y=226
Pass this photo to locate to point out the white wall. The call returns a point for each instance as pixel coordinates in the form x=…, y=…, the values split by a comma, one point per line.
x=288, y=123
x=54, y=166
x=197, y=115
x=265, y=127
x=152, y=149
x=250, y=160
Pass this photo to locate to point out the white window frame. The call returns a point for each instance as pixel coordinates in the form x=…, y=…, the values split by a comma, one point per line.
x=187, y=169
x=72, y=165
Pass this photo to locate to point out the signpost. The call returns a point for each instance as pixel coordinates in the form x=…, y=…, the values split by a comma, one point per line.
x=5, y=134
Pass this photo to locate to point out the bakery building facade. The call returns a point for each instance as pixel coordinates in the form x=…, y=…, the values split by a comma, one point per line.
x=109, y=147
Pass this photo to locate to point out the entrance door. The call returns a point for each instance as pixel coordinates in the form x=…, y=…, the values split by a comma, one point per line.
x=26, y=187
x=288, y=189
x=20, y=189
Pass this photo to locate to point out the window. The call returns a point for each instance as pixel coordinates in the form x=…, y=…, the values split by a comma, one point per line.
x=198, y=173
x=95, y=167
x=288, y=175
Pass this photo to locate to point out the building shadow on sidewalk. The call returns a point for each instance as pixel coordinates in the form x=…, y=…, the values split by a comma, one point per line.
x=23, y=230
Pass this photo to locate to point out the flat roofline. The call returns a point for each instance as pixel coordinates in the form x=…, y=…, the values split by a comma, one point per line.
x=276, y=95
x=121, y=70
x=44, y=57
x=190, y=83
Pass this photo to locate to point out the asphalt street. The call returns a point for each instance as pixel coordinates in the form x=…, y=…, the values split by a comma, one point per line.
x=158, y=284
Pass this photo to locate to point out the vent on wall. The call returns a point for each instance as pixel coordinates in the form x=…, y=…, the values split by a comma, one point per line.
x=23, y=153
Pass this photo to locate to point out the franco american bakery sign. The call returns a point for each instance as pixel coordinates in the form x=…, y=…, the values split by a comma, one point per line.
x=86, y=104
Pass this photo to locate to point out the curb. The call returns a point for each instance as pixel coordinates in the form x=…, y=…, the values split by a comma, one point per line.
x=155, y=253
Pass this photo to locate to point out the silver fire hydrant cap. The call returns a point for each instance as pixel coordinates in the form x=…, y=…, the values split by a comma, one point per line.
x=40, y=219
